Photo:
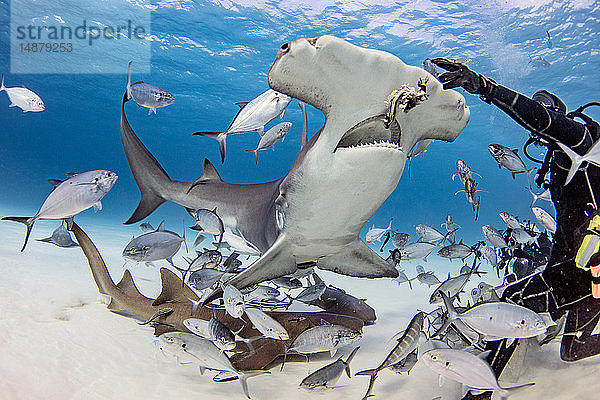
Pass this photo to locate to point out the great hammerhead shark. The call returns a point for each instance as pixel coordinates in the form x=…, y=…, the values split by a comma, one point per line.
x=340, y=177
x=126, y=298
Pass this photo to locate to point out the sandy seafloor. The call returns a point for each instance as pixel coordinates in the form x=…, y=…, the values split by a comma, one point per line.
x=59, y=341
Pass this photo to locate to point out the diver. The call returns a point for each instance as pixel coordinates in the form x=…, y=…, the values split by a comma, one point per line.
x=564, y=285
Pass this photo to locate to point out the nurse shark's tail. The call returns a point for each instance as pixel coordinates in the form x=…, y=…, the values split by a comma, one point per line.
x=147, y=172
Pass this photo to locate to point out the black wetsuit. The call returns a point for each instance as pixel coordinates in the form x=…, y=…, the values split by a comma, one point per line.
x=561, y=287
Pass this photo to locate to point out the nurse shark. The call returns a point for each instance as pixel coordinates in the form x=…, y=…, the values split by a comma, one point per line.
x=344, y=173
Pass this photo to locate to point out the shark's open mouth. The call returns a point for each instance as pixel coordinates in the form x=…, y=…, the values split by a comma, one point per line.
x=371, y=132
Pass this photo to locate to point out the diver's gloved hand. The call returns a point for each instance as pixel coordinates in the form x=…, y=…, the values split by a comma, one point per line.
x=459, y=75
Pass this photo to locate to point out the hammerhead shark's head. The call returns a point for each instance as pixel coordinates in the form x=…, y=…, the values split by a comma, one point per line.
x=341, y=176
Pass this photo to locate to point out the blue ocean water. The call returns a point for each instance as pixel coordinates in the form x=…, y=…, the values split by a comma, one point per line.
x=211, y=54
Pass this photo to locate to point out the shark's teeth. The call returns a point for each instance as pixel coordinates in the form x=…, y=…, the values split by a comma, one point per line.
x=380, y=143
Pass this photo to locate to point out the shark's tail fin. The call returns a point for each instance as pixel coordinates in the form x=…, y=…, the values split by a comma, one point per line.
x=255, y=154
x=244, y=379
x=28, y=221
x=147, y=172
x=220, y=137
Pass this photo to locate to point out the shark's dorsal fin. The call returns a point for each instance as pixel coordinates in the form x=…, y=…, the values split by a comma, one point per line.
x=127, y=286
x=210, y=175
x=173, y=290
x=161, y=227
x=242, y=104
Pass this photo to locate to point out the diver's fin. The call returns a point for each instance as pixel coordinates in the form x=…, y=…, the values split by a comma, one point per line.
x=173, y=289
x=147, y=172
x=357, y=259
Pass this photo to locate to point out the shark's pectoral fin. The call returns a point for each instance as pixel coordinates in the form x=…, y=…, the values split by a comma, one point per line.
x=276, y=262
x=173, y=290
x=357, y=259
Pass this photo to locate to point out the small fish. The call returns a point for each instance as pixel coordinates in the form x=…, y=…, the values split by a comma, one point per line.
x=468, y=369
x=329, y=374
x=549, y=40
x=23, y=98
x=153, y=246
x=510, y=220
x=428, y=278
x=270, y=137
x=147, y=95
x=311, y=293
x=234, y=301
x=419, y=148
x=261, y=292
x=449, y=224
x=163, y=312
x=417, y=250
x=287, y=282
x=429, y=234
x=463, y=171
x=430, y=67
x=401, y=278
x=207, y=221
x=494, y=237
x=545, y=195
x=220, y=334
x=498, y=320
x=489, y=253
x=521, y=236
x=374, y=234
x=544, y=219
x=452, y=286
x=406, y=364
x=540, y=62
x=207, y=277
x=70, y=197
x=592, y=157
x=455, y=250
x=253, y=116
x=322, y=338
x=60, y=237
x=510, y=160
x=239, y=244
x=266, y=325
x=405, y=345
x=194, y=349
x=471, y=193
x=399, y=239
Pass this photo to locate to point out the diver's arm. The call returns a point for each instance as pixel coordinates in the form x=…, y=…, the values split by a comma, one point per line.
x=538, y=119
x=527, y=112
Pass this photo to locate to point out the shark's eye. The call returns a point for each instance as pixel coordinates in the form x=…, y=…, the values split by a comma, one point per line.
x=183, y=345
x=522, y=322
x=434, y=358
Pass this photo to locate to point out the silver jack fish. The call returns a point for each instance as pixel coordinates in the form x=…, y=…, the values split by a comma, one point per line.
x=329, y=374
x=191, y=348
x=153, y=246
x=468, y=369
x=544, y=219
x=510, y=160
x=272, y=136
x=70, y=197
x=23, y=98
x=253, y=116
x=147, y=95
